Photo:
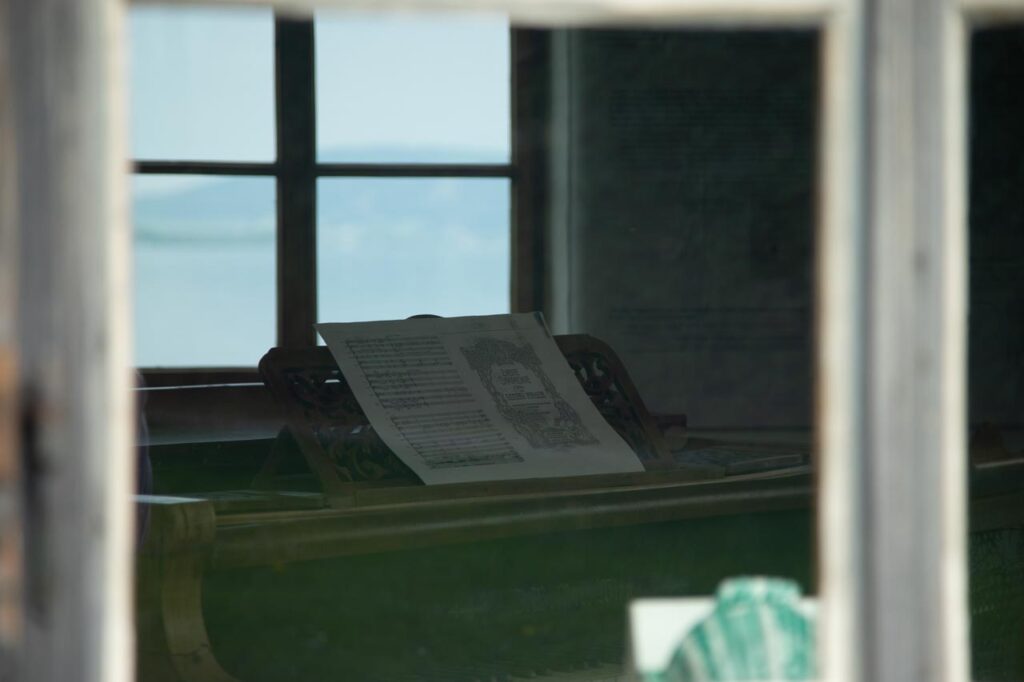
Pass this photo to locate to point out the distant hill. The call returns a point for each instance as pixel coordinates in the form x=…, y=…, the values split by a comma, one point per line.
x=242, y=209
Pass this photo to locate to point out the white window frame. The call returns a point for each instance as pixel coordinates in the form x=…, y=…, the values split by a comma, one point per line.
x=891, y=319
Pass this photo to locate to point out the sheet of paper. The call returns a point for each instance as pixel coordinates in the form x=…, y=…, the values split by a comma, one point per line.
x=476, y=398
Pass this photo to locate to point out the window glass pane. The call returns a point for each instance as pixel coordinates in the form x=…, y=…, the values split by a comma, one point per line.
x=407, y=88
x=673, y=213
x=391, y=248
x=995, y=380
x=204, y=270
x=689, y=219
x=202, y=83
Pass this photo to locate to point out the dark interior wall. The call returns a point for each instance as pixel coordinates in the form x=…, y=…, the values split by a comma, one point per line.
x=686, y=215
x=995, y=376
x=996, y=223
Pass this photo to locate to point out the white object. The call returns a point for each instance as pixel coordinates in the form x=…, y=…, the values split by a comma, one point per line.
x=656, y=626
x=476, y=398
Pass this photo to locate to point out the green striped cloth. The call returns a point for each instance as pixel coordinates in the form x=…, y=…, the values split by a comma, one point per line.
x=756, y=631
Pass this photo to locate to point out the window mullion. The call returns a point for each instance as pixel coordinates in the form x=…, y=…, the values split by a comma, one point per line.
x=531, y=84
x=296, y=183
x=154, y=167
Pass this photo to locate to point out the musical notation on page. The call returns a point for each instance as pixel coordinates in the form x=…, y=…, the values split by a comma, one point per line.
x=476, y=398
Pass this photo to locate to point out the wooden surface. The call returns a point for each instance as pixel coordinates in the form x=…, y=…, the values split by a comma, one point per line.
x=891, y=330
x=593, y=12
x=74, y=336
x=209, y=414
x=839, y=349
x=11, y=540
x=993, y=11
x=341, y=448
x=11, y=555
x=253, y=539
x=188, y=539
x=171, y=634
x=912, y=508
x=395, y=517
x=192, y=539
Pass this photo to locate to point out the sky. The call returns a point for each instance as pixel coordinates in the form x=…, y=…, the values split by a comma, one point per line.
x=202, y=84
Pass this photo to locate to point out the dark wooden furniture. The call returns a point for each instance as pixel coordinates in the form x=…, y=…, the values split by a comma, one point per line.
x=692, y=531
x=343, y=450
x=372, y=509
x=371, y=502
x=191, y=538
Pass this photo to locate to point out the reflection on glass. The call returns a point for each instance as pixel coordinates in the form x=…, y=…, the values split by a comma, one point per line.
x=202, y=83
x=995, y=380
x=391, y=248
x=689, y=222
x=204, y=270
x=674, y=226
x=408, y=88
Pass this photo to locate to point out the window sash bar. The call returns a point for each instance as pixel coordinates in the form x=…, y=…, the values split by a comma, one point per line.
x=840, y=358
x=74, y=337
x=992, y=11
x=552, y=13
x=368, y=170
x=914, y=506
x=204, y=168
x=12, y=481
x=416, y=170
x=916, y=252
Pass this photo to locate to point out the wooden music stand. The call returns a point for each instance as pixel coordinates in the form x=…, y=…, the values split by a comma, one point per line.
x=343, y=450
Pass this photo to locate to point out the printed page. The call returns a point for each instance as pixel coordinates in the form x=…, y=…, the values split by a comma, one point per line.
x=476, y=398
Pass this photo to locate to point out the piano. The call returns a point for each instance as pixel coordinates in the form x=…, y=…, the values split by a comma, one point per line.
x=368, y=575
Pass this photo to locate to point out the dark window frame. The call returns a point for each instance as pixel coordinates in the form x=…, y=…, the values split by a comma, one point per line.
x=297, y=169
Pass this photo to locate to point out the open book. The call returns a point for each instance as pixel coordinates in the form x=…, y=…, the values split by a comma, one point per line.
x=476, y=398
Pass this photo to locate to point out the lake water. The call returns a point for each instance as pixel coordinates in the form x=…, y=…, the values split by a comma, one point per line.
x=387, y=249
